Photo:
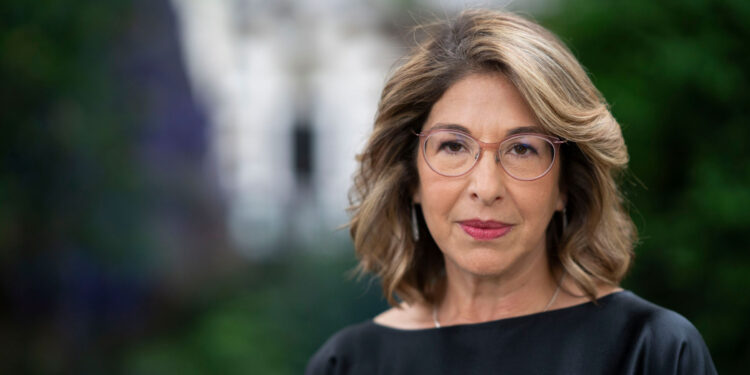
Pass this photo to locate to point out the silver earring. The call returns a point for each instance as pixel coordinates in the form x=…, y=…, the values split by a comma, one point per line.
x=414, y=224
x=564, y=218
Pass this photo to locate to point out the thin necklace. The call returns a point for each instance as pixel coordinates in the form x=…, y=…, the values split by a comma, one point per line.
x=551, y=301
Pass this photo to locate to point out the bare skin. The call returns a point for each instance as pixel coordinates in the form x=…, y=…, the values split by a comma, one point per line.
x=419, y=315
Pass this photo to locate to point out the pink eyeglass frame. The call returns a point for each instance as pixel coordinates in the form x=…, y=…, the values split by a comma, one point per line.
x=493, y=146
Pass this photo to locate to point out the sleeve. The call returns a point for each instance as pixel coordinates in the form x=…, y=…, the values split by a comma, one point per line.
x=330, y=359
x=677, y=347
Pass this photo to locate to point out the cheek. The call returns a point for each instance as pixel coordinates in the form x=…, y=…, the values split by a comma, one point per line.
x=438, y=195
x=435, y=194
x=537, y=200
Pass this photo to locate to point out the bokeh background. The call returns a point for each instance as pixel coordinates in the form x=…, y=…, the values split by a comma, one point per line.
x=172, y=173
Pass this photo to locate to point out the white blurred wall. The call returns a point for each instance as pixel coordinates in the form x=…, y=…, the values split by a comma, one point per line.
x=262, y=68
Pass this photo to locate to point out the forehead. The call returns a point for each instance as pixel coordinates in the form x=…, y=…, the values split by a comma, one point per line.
x=488, y=105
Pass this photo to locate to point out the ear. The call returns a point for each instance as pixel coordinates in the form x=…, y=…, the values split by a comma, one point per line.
x=417, y=197
x=562, y=201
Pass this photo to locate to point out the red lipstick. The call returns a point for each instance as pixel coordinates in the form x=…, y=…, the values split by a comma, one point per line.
x=485, y=230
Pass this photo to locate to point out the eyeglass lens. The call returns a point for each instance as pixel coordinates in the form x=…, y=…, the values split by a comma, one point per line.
x=524, y=157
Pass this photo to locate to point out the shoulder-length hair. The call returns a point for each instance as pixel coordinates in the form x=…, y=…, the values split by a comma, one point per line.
x=594, y=248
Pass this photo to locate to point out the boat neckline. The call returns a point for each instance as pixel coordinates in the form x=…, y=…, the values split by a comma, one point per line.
x=602, y=299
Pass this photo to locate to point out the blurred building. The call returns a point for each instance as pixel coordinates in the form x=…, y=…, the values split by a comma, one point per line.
x=290, y=89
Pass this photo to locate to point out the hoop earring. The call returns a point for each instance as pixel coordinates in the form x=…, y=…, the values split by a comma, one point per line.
x=564, y=218
x=414, y=224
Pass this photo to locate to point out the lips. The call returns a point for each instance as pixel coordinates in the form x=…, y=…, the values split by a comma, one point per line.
x=485, y=230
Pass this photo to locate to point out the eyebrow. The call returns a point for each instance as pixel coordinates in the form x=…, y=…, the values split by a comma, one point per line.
x=514, y=131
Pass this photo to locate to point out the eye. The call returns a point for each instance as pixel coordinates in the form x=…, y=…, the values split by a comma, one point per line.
x=522, y=149
x=452, y=146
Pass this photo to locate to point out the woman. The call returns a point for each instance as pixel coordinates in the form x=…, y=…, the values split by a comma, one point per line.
x=486, y=202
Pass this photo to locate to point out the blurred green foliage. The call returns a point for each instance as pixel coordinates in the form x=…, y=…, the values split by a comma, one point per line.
x=676, y=76
x=68, y=132
x=675, y=73
x=269, y=323
x=71, y=196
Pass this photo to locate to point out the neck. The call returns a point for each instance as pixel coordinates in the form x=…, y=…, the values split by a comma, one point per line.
x=471, y=298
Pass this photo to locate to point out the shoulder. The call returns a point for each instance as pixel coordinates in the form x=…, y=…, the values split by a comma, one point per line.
x=338, y=352
x=663, y=339
x=650, y=317
x=358, y=348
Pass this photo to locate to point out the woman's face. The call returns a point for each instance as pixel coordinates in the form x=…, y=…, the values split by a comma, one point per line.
x=486, y=222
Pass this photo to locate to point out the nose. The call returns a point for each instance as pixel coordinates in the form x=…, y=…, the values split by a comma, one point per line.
x=487, y=179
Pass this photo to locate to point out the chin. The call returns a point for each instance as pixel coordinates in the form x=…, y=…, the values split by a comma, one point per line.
x=483, y=262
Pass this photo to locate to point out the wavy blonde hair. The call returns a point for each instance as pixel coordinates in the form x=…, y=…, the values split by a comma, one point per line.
x=596, y=245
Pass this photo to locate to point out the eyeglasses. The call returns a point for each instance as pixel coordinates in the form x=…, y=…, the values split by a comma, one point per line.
x=525, y=156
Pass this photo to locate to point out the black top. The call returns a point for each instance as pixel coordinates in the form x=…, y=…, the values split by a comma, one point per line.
x=620, y=334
